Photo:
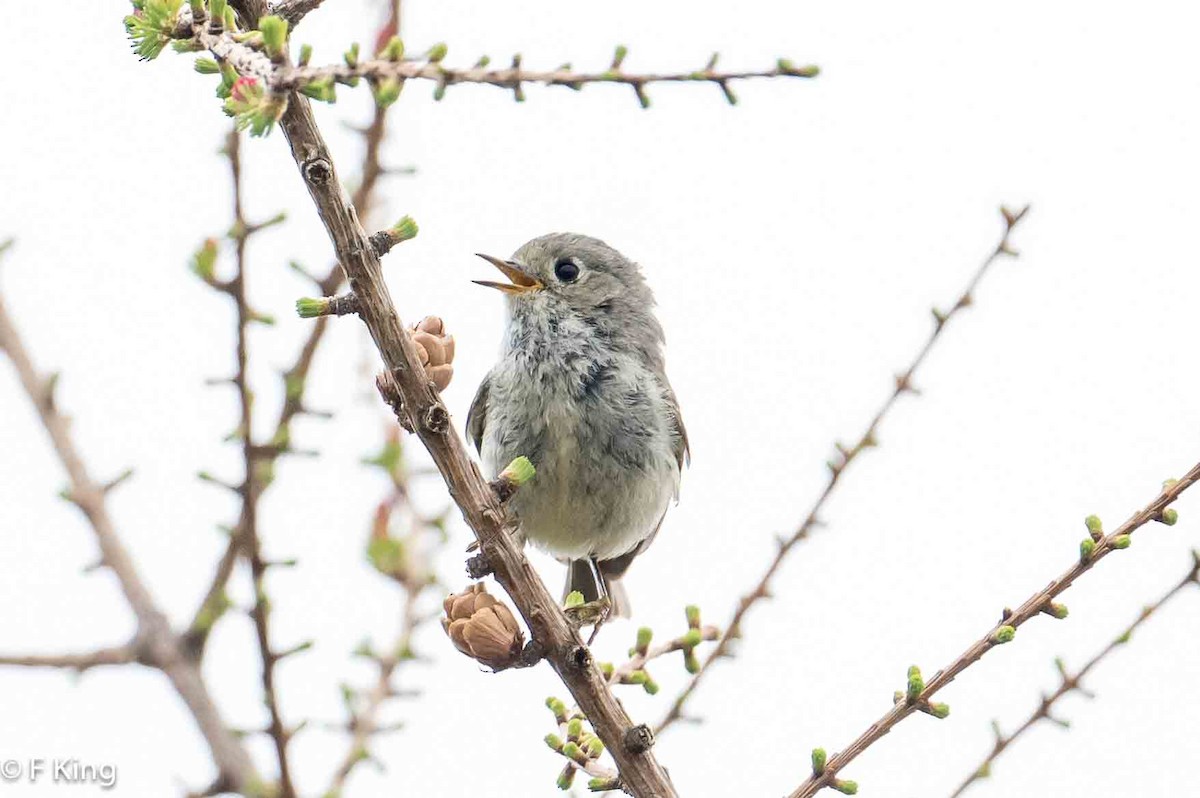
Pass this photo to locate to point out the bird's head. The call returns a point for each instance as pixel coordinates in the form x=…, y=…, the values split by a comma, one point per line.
x=570, y=272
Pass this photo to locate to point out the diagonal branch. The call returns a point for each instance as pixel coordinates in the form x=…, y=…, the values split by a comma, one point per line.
x=157, y=644
x=1094, y=548
x=480, y=506
x=837, y=467
x=1073, y=682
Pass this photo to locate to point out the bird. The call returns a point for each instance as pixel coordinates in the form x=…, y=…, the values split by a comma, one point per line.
x=581, y=390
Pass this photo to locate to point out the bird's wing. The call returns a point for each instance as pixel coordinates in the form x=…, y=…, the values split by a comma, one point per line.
x=477, y=416
x=683, y=453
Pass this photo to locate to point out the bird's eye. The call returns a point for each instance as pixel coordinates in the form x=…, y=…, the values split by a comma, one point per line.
x=566, y=271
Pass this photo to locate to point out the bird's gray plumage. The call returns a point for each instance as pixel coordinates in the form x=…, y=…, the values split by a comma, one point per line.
x=581, y=390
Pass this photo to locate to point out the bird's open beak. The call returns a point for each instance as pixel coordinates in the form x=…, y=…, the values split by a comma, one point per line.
x=521, y=282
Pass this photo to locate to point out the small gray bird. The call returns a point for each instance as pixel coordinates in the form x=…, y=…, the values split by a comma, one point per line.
x=581, y=391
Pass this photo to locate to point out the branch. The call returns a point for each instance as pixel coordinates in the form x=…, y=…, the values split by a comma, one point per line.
x=837, y=467
x=295, y=10
x=114, y=655
x=1093, y=549
x=295, y=378
x=157, y=645
x=388, y=72
x=481, y=508
x=1073, y=682
x=253, y=481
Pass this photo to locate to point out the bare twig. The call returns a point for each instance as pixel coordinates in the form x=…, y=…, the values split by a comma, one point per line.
x=1094, y=549
x=1073, y=682
x=295, y=378
x=837, y=467
x=252, y=481
x=114, y=655
x=156, y=644
x=365, y=721
x=282, y=77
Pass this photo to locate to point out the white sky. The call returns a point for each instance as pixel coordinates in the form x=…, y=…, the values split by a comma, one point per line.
x=795, y=244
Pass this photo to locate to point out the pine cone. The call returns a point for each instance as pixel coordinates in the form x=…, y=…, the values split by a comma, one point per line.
x=482, y=627
x=436, y=348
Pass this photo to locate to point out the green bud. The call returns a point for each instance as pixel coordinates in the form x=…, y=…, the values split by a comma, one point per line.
x=595, y=747
x=846, y=787
x=351, y=56
x=644, y=635
x=559, y=709
x=217, y=9
x=206, y=66
x=406, y=230
x=393, y=50
x=690, y=662
x=520, y=470
x=386, y=91
x=554, y=741
x=1094, y=524
x=619, y=57
x=606, y=668
x=323, y=89
x=309, y=308
x=691, y=638
x=305, y=55
x=1123, y=639
x=1169, y=517
x=650, y=686
x=818, y=761
x=939, y=711
x=204, y=260
x=1004, y=634
x=573, y=752
x=436, y=53
x=637, y=677
x=604, y=784
x=1057, y=610
x=1086, y=547
x=274, y=30
x=916, y=685
x=1121, y=542
x=566, y=778
x=574, y=599
x=809, y=71
x=574, y=729
x=693, y=616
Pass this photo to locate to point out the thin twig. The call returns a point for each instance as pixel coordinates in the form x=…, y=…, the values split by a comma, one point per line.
x=113, y=655
x=837, y=467
x=365, y=721
x=1073, y=682
x=251, y=487
x=1094, y=549
x=295, y=378
x=157, y=644
x=283, y=77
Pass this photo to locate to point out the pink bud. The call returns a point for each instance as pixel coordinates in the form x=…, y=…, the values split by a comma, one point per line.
x=240, y=87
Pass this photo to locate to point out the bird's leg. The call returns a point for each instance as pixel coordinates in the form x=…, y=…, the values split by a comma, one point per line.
x=595, y=612
x=601, y=598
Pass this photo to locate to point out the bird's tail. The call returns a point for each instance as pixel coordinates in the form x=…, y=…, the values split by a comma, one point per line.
x=580, y=577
